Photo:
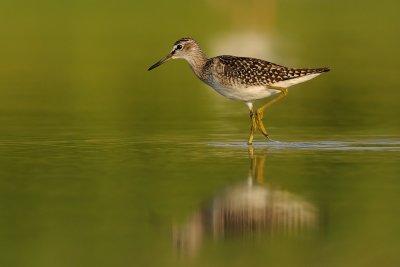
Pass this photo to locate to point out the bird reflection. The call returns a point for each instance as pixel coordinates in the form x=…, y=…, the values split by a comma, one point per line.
x=246, y=209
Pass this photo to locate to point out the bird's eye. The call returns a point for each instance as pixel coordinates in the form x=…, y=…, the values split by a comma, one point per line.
x=179, y=47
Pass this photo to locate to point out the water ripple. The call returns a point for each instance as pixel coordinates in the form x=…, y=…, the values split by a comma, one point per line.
x=362, y=145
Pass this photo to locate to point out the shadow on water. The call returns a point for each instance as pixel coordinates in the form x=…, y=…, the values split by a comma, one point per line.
x=245, y=210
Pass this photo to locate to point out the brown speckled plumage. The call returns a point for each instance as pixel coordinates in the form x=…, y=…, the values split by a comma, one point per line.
x=245, y=71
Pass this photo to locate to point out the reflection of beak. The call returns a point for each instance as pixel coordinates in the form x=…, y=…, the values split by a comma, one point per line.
x=168, y=57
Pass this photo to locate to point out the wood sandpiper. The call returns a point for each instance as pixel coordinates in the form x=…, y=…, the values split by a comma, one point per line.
x=241, y=78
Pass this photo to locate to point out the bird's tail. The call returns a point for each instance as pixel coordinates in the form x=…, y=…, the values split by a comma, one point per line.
x=292, y=73
x=321, y=70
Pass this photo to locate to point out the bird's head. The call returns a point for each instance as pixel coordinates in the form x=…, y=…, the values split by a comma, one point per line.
x=185, y=48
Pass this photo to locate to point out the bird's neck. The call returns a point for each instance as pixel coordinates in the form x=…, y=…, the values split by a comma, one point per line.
x=197, y=62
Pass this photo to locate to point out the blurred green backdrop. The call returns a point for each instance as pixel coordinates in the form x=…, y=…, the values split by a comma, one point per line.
x=89, y=56
x=98, y=157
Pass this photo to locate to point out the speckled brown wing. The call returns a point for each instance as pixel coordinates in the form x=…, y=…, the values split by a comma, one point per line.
x=254, y=72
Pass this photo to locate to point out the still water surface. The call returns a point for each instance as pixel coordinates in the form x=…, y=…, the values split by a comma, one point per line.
x=113, y=200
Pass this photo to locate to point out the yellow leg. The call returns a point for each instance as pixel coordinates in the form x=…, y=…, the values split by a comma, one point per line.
x=260, y=111
x=253, y=127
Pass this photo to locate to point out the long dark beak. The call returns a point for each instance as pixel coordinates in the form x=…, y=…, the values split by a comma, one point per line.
x=168, y=57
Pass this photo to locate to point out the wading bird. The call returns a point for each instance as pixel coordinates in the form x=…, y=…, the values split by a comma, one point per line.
x=241, y=78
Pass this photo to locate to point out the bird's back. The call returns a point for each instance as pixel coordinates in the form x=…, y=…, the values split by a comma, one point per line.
x=246, y=72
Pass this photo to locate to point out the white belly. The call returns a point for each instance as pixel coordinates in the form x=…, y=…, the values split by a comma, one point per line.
x=252, y=93
x=246, y=94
